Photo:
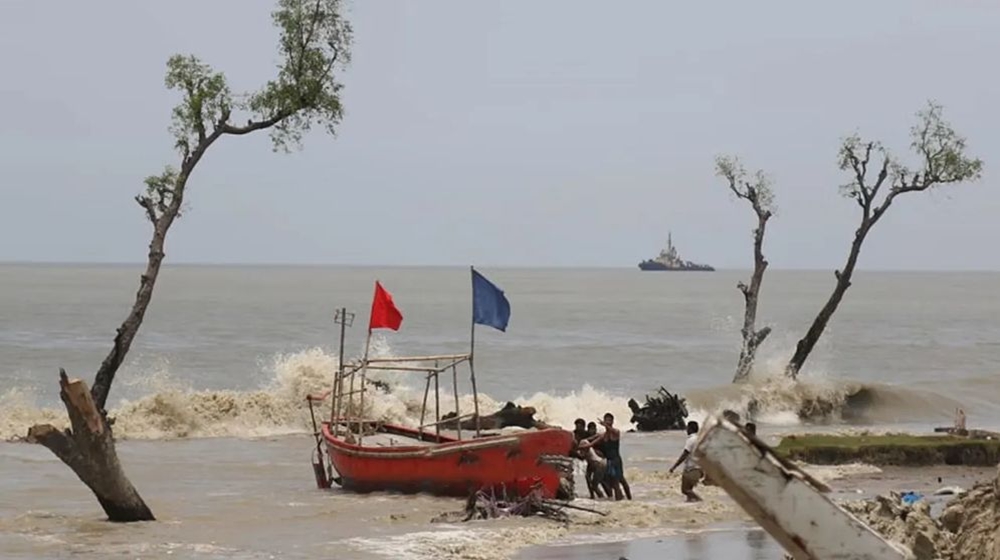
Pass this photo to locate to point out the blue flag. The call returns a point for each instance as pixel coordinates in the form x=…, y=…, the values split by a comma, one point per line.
x=489, y=306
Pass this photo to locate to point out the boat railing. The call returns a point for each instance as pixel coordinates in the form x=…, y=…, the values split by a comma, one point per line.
x=344, y=390
x=458, y=358
x=348, y=415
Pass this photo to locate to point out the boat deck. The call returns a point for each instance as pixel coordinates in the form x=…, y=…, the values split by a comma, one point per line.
x=393, y=440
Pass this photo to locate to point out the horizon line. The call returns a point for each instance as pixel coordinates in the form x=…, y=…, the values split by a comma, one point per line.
x=224, y=264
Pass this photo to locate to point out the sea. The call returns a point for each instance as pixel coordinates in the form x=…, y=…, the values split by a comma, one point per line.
x=215, y=434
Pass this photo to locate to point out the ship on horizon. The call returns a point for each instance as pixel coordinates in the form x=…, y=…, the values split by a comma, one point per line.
x=669, y=260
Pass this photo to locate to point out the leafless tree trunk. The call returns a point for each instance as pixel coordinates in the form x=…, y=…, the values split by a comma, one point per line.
x=761, y=198
x=944, y=162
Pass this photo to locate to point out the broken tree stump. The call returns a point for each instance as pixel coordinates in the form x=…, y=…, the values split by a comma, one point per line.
x=88, y=447
x=663, y=411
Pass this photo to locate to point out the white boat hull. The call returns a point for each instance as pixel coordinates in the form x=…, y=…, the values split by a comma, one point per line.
x=788, y=503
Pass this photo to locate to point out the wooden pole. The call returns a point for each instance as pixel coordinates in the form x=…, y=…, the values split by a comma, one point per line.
x=350, y=402
x=423, y=409
x=437, y=406
x=338, y=380
x=364, y=375
x=458, y=413
x=472, y=351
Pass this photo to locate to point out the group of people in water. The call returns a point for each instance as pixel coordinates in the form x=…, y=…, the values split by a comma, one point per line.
x=602, y=452
x=605, y=471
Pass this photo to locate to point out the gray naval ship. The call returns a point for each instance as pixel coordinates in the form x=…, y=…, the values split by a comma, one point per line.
x=670, y=260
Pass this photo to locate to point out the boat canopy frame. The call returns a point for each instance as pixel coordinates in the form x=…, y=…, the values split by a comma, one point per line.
x=345, y=415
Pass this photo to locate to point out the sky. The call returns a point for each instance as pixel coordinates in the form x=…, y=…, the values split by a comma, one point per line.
x=518, y=133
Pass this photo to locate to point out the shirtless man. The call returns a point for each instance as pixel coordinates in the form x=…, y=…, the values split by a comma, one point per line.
x=692, y=472
x=611, y=440
x=580, y=431
x=595, y=463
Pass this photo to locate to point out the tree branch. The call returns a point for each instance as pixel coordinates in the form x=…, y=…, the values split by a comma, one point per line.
x=252, y=126
x=308, y=39
x=760, y=335
x=55, y=440
x=883, y=174
x=147, y=203
x=743, y=288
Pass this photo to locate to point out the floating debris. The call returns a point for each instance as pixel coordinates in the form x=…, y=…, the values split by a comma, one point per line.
x=487, y=504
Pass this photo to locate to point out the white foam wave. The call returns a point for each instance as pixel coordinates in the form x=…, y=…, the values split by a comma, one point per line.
x=169, y=408
x=163, y=407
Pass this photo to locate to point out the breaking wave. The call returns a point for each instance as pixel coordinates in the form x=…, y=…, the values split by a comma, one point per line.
x=172, y=409
x=778, y=400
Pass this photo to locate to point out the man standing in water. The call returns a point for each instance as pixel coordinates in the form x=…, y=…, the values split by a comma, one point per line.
x=692, y=472
x=610, y=441
x=595, y=463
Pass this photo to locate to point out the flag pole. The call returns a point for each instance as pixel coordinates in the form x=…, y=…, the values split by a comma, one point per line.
x=472, y=348
x=364, y=375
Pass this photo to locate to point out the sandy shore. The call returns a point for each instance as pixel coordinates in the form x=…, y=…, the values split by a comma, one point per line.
x=719, y=529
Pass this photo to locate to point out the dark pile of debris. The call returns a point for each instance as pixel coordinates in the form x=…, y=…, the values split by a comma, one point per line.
x=510, y=415
x=487, y=504
x=663, y=411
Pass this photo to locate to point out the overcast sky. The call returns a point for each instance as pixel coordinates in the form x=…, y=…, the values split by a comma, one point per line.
x=556, y=133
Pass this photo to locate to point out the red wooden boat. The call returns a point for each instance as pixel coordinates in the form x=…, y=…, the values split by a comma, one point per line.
x=369, y=455
x=402, y=459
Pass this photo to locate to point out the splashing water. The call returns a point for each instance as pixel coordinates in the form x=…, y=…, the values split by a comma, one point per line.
x=168, y=408
x=172, y=409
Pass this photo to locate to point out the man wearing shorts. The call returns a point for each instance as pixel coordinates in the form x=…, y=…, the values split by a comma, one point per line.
x=692, y=472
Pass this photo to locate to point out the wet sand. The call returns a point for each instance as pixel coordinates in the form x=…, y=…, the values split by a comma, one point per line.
x=732, y=543
x=744, y=539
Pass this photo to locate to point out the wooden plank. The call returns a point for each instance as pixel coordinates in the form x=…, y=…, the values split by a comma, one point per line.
x=784, y=500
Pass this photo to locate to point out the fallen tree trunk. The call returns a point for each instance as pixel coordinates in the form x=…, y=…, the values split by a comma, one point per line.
x=88, y=448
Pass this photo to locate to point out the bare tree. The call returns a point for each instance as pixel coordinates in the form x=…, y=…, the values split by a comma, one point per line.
x=314, y=40
x=757, y=191
x=943, y=162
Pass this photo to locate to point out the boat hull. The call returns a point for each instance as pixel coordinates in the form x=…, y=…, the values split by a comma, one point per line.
x=657, y=266
x=449, y=467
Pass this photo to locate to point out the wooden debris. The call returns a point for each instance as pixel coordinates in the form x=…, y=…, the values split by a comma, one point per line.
x=788, y=503
x=487, y=504
x=510, y=415
x=663, y=411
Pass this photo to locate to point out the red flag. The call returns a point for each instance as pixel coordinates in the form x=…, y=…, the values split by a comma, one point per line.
x=384, y=312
